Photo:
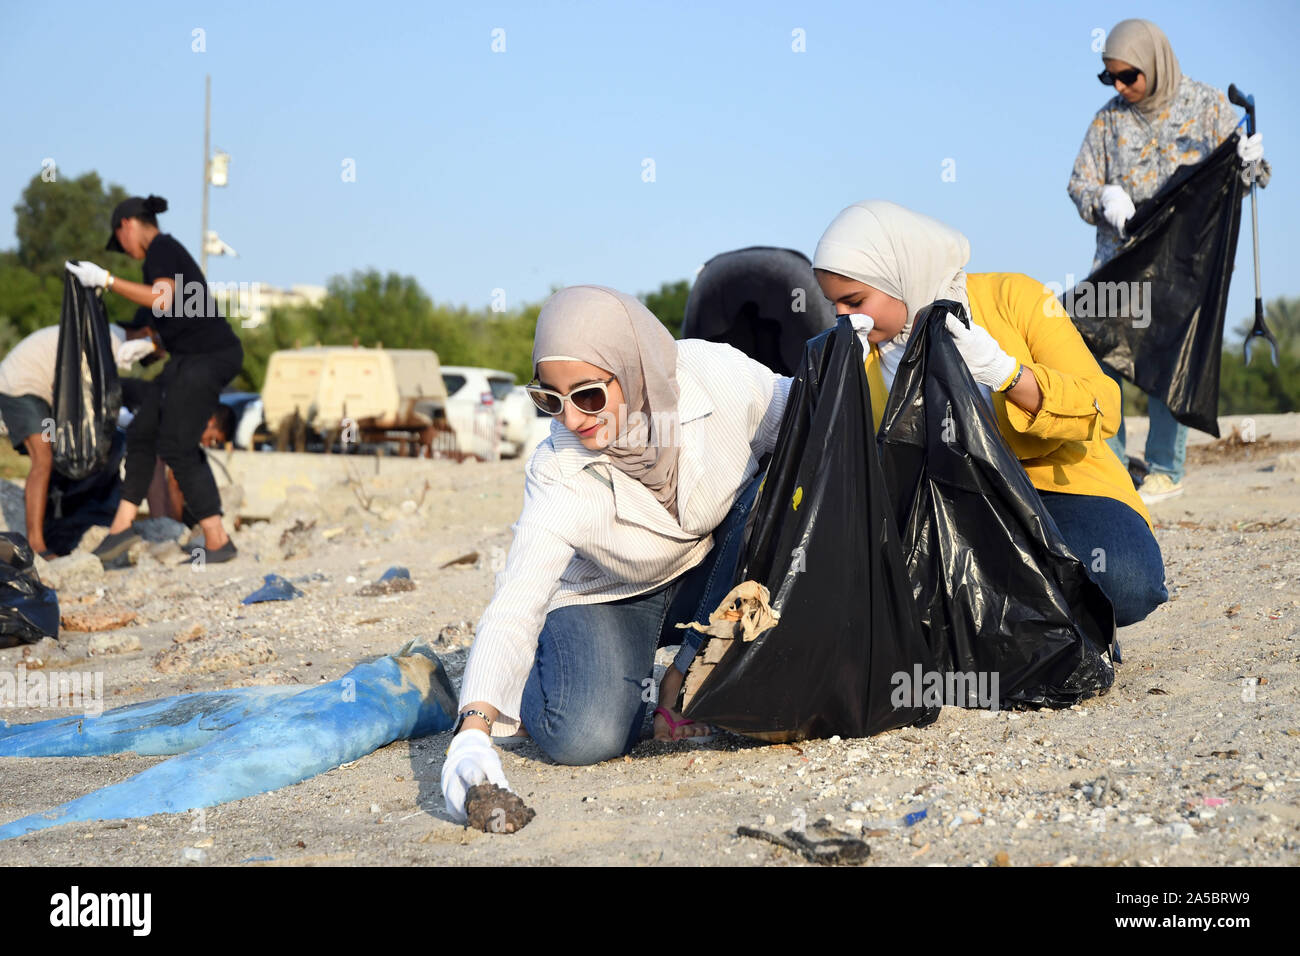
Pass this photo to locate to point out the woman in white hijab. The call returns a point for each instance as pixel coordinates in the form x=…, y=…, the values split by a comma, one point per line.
x=633, y=517
x=1157, y=121
x=882, y=265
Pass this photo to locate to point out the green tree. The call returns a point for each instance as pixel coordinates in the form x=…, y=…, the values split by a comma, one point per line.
x=1260, y=387
x=668, y=303
x=66, y=218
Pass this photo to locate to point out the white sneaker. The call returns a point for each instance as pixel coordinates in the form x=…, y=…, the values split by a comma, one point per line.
x=1159, y=486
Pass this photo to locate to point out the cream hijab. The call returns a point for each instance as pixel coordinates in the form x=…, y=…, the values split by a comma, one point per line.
x=1145, y=45
x=614, y=331
x=900, y=252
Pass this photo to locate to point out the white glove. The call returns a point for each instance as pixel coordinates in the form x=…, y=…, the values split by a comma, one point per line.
x=862, y=325
x=132, y=351
x=470, y=761
x=89, y=274
x=988, y=364
x=1250, y=149
x=1116, y=207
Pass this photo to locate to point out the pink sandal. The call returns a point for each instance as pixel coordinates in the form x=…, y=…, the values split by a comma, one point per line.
x=674, y=724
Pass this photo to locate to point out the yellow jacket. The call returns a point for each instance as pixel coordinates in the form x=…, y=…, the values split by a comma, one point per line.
x=1063, y=447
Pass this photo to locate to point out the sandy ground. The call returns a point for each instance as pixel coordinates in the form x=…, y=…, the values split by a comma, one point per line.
x=1185, y=761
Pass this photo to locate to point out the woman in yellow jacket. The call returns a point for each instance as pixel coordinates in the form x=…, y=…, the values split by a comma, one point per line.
x=883, y=265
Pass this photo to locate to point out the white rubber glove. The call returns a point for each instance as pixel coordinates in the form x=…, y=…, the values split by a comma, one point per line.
x=1250, y=149
x=988, y=364
x=131, y=352
x=88, y=274
x=1116, y=207
x=470, y=761
x=862, y=325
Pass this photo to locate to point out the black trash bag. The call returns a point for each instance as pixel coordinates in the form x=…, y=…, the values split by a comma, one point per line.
x=761, y=300
x=74, y=507
x=821, y=539
x=87, y=393
x=29, y=610
x=999, y=591
x=1178, y=260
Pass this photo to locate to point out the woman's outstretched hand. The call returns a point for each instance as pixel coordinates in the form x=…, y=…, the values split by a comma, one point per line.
x=88, y=274
x=988, y=363
x=470, y=761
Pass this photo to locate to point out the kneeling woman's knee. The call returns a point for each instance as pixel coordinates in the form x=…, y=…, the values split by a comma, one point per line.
x=1141, y=591
x=577, y=743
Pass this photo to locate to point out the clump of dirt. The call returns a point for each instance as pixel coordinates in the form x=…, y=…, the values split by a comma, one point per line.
x=494, y=810
x=391, y=586
x=102, y=618
x=1238, y=446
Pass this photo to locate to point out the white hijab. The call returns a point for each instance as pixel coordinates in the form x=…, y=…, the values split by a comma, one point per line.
x=903, y=254
x=614, y=331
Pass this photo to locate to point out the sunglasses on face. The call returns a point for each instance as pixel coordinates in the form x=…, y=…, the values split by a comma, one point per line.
x=590, y=399
x=1127, y=77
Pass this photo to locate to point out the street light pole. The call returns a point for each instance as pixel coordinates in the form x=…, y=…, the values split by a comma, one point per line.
x=207, y=132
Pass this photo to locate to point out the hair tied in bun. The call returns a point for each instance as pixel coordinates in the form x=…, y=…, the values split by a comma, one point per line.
x=155, y=204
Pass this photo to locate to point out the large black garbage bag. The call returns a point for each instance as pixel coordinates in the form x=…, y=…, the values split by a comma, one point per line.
x=762, y=300
x=821, y=539
x=1154, y=313
x=74, y=507
x=999, y=591
x=29, y=610
x=87, y=393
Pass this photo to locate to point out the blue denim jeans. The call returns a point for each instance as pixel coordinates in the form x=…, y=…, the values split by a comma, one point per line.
x=1117, y=548
x=1166, y=449
x=591, y=683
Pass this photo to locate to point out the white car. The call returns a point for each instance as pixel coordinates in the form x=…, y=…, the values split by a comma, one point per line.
x=491, y=415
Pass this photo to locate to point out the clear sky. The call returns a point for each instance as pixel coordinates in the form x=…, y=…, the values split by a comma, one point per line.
x=523, y=169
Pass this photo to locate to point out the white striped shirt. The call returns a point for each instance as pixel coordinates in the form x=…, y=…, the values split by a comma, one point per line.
x=589, y=534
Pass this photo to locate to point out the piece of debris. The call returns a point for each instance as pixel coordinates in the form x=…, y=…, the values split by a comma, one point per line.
x=836, y=851
x=393, y=580
x=192, y=633
x=464, y=559
x=276, y=588
x=102, y=618
x=493, y=810
x=102, y=644
x=745, y=612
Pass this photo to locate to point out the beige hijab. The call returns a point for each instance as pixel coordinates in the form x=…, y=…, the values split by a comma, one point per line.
x=900, y=252
x=1145, y=45
x=614, y=331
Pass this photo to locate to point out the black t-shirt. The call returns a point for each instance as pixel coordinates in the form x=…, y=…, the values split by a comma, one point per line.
x=194, y=323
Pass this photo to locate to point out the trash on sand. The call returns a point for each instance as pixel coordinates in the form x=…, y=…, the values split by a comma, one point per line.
x=391, y=581
x=264, y=738
x=275, y=588
x=835, y=851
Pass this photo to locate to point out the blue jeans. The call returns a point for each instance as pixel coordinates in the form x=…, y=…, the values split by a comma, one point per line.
x=1117, y=548
x=592, y=679
x=1166, y=450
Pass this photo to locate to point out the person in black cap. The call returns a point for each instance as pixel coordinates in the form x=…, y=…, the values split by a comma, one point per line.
x=171, y=411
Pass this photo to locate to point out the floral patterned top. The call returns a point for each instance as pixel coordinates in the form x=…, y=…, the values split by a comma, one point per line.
x=1124, y=148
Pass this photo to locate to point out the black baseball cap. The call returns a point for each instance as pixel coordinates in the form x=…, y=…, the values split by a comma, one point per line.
x=136, y=207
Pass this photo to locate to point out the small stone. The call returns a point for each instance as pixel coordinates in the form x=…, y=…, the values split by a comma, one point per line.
x=769, y=821
x=1180, y=830
x=374, y=808
x=1001, y=858
x=102, y=644
x=857, y=806
x=194, y=855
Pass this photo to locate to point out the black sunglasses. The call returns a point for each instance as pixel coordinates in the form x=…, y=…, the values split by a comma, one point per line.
x=1127, y=77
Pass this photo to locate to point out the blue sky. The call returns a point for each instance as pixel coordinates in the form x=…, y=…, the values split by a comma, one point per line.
x=523, y=169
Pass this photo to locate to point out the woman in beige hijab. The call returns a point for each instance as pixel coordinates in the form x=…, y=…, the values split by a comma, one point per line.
x=1158, y=120
x=882, y=265
x=633, y=516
